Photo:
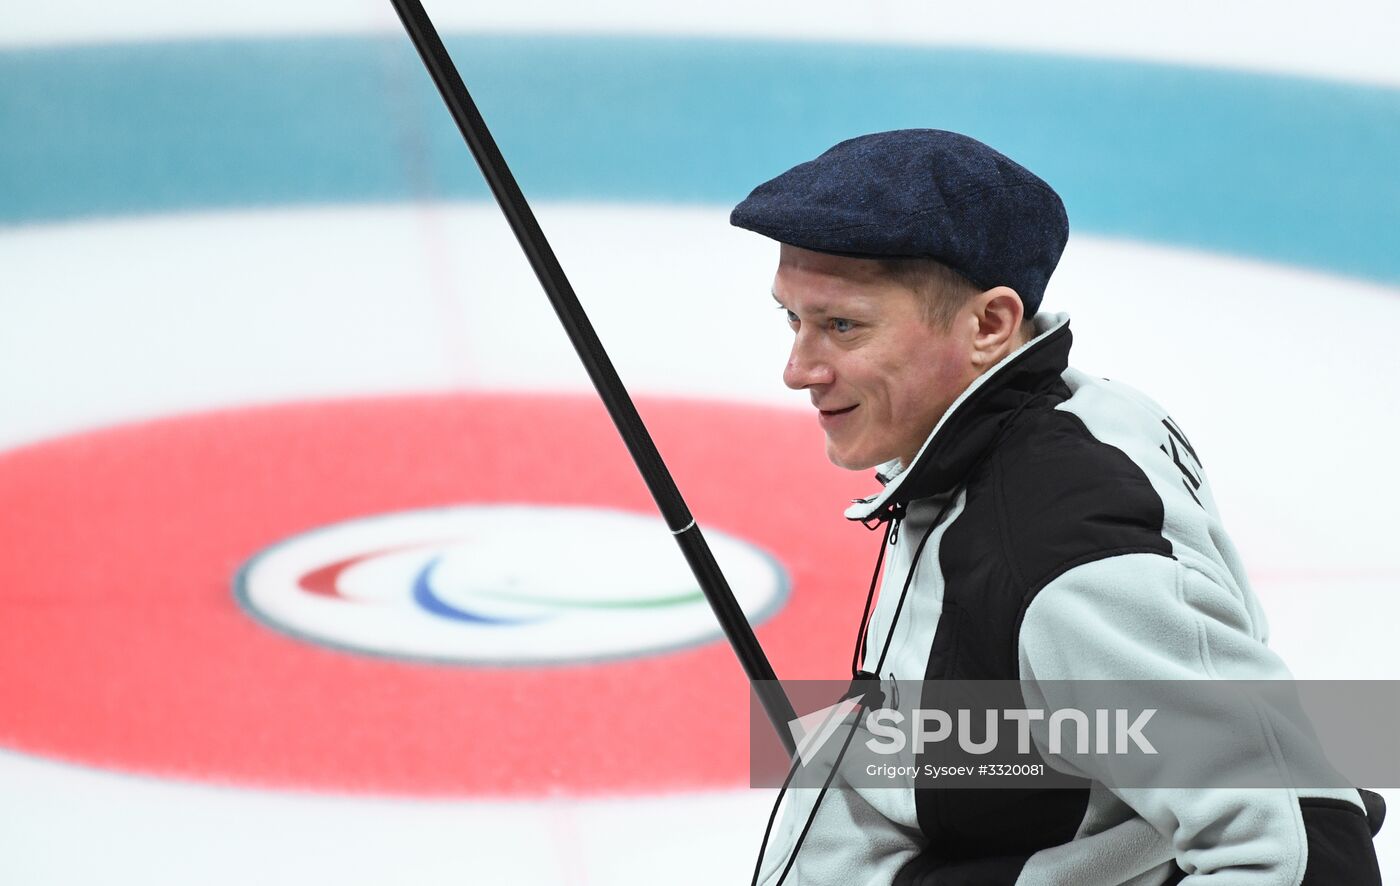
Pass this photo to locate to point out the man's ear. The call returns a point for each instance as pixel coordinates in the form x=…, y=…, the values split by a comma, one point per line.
x=998, y=313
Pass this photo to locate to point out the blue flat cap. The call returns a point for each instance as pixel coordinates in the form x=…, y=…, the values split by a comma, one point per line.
x=919, y=193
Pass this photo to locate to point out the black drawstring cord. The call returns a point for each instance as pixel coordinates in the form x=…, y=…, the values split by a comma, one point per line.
x=891, y=518
x=816, y=804
x=865, y=697
x=772, y=817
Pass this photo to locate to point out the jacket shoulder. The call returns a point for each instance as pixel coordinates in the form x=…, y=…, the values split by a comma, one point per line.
x=1065, y=496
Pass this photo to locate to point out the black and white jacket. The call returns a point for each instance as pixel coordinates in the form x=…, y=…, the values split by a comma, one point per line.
x=1079, y=541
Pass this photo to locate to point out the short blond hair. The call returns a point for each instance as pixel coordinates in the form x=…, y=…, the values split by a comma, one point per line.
x=942, y=290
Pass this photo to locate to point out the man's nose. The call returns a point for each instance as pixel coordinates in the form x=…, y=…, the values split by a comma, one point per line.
x=805, y=367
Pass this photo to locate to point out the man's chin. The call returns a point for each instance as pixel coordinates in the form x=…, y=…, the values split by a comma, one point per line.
x=850, y=461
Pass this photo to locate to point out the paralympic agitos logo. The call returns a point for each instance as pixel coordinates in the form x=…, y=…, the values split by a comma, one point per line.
x=499, y=584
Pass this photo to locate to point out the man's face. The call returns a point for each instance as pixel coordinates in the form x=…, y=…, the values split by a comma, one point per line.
x=879, y=375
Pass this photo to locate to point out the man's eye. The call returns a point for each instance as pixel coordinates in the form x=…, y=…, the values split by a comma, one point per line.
x=791, y=317
x=841, y=325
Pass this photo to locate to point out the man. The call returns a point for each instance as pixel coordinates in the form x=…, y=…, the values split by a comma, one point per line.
x=1045, y=525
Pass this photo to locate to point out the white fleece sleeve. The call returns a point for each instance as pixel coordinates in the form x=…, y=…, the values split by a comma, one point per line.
x=1150, y=617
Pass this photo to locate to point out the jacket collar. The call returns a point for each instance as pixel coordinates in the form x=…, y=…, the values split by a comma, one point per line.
x=972, y=423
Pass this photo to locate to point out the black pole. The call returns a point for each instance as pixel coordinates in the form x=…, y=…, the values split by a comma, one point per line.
x=600, y=369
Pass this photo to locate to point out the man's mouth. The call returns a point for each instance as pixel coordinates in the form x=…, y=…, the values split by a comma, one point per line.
x=831, y=412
